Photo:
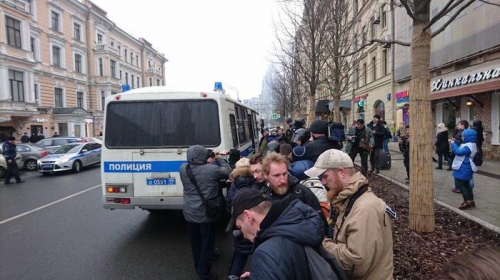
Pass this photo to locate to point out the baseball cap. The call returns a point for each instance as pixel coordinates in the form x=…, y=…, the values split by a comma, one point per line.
x=245, y=200
x=332, y=158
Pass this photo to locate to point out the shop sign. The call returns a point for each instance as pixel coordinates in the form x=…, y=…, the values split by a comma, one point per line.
x=39, y=120
x=402, y=96
x=465, y=80
x=357, y=98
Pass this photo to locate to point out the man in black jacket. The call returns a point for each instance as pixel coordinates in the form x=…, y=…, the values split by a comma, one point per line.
x=279, y=231
x=9, y=152
x=321, y=142
x=379, y=133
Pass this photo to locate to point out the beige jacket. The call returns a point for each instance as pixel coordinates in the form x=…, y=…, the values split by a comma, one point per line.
x=364, y=246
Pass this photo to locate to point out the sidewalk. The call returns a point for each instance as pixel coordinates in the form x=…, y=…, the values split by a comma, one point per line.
x=486, y=190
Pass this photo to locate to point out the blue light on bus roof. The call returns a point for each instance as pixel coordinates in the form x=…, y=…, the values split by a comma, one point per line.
x=218, y=86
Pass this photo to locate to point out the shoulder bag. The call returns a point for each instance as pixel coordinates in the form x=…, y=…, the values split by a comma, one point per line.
x=214, y=206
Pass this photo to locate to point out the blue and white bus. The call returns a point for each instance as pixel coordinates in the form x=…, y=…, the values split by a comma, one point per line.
x=146, y=135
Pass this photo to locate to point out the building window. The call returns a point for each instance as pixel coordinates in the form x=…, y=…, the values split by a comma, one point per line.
x=374, y=68
x=120, y=74
x=99, y=39
x=113, y=68
x=119, y=50
x=126, y=78
x=79, y=99
x=16, y=80
x=157, y=82
x=149, y=64
x=78, y=63
x=33, y=46
x=103, y=99
x=113, y=92
x=13, y=32
x=363, y=35
x=131, y=58
x=37, y=97
x=76, y=32
x=385, y=63
x=58, y=97
x=125, y=55
x=356, y=78
x=132, y=78
x=137, y=60
x=56, y=56
x=365, y=76
x=374, y=30
x=101, y=70
x=150, y=82
x=383, y=19
x=138, y=82
x=380, y=109
x=55, y=17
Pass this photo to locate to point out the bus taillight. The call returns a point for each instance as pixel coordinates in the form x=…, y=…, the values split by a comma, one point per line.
x=116, y=189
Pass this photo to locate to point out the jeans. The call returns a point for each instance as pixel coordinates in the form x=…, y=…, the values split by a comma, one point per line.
x=202, y=237
x=386, y=145
x=465, y=189
x=446, y=157
x=375, y=159
x=363, y=154
x=12, y=170
x=242, y=249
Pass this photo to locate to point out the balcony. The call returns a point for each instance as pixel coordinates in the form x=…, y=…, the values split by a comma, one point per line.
x=105, y=47
x=18, y=4
x=153, y=71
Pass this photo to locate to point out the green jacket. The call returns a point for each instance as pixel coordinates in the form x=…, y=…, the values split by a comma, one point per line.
x=368, y=139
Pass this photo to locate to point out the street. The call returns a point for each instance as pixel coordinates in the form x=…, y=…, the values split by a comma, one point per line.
x=54, y=227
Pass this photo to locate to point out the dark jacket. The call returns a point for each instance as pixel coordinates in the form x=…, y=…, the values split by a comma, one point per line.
x=379, y=134
x=25, y=139
x=318, y=146
x=207, y=177
x=442, y=144
x=9, y=150
x=279, y=245
x=404, y=147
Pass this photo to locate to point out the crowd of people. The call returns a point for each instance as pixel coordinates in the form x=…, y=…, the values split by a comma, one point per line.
x=300, y=207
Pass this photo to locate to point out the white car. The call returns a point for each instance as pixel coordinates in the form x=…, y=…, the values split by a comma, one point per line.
x=72, y=156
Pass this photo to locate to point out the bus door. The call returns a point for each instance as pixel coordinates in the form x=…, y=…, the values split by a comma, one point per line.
x=155, y=176
x=252, y=132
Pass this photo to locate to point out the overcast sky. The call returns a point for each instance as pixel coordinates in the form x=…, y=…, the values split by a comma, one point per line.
x=205, y=41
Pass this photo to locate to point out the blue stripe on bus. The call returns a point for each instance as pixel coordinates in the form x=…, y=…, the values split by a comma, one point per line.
x=141, y=166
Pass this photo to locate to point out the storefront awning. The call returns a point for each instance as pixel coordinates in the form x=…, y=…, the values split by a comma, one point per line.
x=344, y=104
x=322, y=106
x=7, y=128
x=478, y=88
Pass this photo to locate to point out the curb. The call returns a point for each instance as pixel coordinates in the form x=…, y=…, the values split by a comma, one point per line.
x=445, y=205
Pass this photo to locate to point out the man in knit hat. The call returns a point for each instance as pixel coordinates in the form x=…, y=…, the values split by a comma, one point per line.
x=379, y=132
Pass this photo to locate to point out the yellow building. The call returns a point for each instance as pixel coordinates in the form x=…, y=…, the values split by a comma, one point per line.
x=59, y=60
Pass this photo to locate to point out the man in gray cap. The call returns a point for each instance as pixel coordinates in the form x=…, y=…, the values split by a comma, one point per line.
x=362, y=242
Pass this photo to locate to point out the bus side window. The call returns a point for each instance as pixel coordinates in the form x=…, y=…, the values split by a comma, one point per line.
x=232, y=121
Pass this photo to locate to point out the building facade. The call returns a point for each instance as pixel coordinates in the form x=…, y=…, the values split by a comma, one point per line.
x=465, y=70
x=60, y=59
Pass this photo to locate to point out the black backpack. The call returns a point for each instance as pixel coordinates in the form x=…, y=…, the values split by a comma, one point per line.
x=323, y=265
x=478, y=158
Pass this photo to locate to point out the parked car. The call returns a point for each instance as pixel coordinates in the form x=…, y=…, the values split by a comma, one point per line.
x=29, y=155
x=72, y=156
x=51, y=144
x=3, y=164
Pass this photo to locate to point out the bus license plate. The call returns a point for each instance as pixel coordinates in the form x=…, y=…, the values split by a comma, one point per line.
x=160, y=181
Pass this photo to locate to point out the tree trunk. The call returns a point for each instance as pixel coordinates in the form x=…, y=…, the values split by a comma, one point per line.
x=421, y=133
x=336, y=108
x=312, y=110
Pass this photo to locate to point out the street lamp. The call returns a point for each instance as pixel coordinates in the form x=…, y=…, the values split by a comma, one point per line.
x=237, y=92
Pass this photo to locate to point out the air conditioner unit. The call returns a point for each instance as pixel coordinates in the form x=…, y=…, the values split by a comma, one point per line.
x=386, y=38
x=376, y=18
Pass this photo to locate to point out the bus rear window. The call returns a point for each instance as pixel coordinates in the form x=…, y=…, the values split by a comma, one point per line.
x=162, y=123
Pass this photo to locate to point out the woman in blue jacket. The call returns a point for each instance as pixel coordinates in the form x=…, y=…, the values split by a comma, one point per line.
x=463, y=166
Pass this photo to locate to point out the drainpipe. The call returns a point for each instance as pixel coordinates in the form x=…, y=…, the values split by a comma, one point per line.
x=89, y=52
x=393, y=53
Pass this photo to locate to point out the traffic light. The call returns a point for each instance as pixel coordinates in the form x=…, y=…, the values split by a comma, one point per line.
x=361, y=106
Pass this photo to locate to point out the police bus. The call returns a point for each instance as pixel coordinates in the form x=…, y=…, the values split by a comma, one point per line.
x=146, y=135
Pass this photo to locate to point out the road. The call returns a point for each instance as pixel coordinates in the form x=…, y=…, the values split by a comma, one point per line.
x=54, y=227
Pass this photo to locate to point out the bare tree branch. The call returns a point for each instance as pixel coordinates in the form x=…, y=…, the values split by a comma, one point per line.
x=488, y=2
x=441, y=13
x=408, y=9
x=450, y=20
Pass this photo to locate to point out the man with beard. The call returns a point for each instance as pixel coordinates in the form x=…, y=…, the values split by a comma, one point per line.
x=275, y=170
x=363, y=236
